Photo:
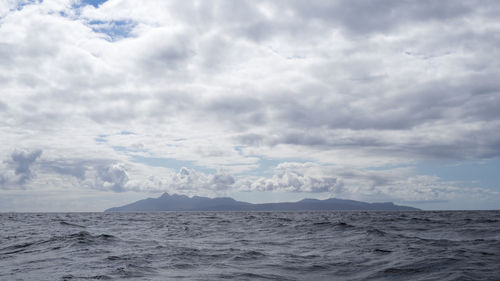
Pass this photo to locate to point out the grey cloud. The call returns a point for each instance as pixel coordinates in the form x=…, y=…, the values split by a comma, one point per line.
x=222, y=181
x=6, y=54
x=19, y=169
x=371, y=179
x=71, y=167
x=101, y=174
x=425, y=106
x=110, y=175
x=162, y=54
x=391, y=184
x=3, y=106
x=241, y=17
x=113, y=177
x=384, y=113
x=313, y=138
x=125, y=106
x=362, y=16
x=232, y=105
x=259, y=31
x=214, y=52
x=114, y=112
x=240, y=112
x=302, y=139
x=250, y=139
x=166, y=57
x=21, y=162
x=300, y=19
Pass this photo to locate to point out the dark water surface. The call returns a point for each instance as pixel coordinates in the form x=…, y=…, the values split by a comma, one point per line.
x=251, y=246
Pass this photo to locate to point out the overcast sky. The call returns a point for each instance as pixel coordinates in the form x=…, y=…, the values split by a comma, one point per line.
x=106, y=102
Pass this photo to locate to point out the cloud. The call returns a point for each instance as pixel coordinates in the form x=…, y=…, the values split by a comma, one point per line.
x=99, y=174
x=164, y=70
x=108, y=175
x=112, y=177
x=194, y=182
x=72, y=167
x=296, y=177
x=365, y=17
x=21, y=161
x=218, y=86
x=19, y=169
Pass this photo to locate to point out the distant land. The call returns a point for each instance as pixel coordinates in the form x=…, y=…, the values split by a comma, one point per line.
x=176, y=202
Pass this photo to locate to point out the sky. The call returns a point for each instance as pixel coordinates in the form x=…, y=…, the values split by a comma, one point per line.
x=106, y=102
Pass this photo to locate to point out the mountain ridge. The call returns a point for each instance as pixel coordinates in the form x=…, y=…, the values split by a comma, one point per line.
x=175, y=202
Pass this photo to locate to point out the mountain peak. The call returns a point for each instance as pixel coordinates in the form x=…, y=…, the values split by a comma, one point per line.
x=177, y=202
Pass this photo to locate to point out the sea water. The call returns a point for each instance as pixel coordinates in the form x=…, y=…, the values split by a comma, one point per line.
x=458, y=245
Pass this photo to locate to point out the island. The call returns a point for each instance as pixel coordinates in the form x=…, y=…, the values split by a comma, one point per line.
x=175, y=202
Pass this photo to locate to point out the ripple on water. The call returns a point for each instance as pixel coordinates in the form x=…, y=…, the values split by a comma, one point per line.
x=251, y=246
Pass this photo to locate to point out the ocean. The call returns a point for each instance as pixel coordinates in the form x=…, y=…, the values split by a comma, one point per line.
x=426, y=245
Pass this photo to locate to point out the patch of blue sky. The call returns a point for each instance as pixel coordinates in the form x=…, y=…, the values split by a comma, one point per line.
x=120, y=149
x=115, y=30
x=127, y=133
x=481, y=173
x=100, y=140
x=127, y=150
x=169, y=163
x=95, y=3
x=239, y=148
x=20, y=5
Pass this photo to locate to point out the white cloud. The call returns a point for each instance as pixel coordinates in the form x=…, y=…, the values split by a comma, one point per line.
x=223, y=85
x=297, y=177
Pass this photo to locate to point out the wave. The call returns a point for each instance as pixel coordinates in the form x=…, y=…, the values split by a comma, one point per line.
x=71, y=224
x=251, y=246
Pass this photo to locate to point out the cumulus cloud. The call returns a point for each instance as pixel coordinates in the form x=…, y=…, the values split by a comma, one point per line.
x=99, y=174
x=297, y=177
x=112, y=177
x=80, y=173
x=117, y=178
x=109, y=175
x=397, y=184
x=191, y=181
x=18, y=169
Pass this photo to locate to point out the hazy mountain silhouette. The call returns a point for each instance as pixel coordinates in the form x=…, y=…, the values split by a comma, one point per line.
x=176, y=202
